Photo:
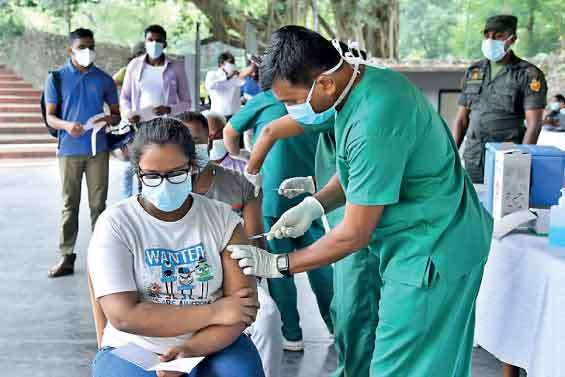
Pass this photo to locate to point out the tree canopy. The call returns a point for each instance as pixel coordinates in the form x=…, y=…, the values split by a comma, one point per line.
x=413, y=29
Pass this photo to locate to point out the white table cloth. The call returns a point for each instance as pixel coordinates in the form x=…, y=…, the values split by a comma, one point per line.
x=521, y=305
x=553, y=138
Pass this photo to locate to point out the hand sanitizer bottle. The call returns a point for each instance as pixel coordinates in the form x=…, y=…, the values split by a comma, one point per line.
x=557, y=222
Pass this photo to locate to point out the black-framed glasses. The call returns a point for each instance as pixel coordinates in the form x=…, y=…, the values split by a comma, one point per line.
x=155, y=179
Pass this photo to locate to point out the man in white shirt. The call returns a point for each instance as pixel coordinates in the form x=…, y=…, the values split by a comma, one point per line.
x=224, y=85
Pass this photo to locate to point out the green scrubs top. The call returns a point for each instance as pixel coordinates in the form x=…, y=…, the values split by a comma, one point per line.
x=326, y=169
x=394, y=150
x=293, y=157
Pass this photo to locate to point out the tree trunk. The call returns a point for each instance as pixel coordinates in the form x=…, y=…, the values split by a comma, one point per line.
x=375, y=30
x=530, y=28
x=228, y=24
x=68, y=15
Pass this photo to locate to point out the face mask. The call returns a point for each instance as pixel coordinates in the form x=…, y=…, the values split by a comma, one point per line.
x=493, y=49
x=154, y=49
x=168, y=196
x=84, y=57
x=202, y=157
x=305, y=114
x=554, y=106
x=218, y=150
x=229, y=68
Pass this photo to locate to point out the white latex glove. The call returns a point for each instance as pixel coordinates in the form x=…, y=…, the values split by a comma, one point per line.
x=255, y=179
x=297, y=220
x=292, y=187
x=255, y=261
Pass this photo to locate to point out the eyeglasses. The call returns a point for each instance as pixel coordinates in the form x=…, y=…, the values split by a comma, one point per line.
x=155, y=179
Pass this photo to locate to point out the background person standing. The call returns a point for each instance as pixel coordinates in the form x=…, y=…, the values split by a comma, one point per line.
x=498, y=93
x=127, y=173
x=152, y=80
x=224, y=85
x=83, y=91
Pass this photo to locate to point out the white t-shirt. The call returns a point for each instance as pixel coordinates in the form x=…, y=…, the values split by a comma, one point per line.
x=152, y=88
x=171, y=263
x=224, y=94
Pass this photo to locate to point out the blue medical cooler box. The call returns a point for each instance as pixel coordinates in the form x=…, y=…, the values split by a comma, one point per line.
x=546, y=178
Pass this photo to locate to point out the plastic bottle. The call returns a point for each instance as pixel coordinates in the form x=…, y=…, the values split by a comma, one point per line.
x=557, y=222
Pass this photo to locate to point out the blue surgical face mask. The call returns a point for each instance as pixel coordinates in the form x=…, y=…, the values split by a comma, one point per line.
x=304, y=113
x=154, y=49
x=554, y=106
x=493, y=49
x=202, y=156
x=218, y=150
x=168, y=197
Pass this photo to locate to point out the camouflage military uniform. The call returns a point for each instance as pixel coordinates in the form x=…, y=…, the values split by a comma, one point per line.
x=498, y=106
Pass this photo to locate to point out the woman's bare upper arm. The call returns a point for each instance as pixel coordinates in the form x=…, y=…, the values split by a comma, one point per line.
x=234, y=279
x=117, y=305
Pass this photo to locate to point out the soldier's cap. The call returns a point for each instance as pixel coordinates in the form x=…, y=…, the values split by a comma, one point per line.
x=138, y=49
x=501, y=23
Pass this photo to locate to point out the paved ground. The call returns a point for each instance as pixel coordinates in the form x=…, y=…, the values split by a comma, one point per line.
x=47, y=329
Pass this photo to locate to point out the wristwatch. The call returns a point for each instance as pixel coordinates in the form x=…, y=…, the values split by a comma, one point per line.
x=283, y=265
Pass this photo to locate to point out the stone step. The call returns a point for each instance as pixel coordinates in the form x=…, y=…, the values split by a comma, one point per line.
x=20, y=108
x=15, y=85
x=27, y=139
x=9, y=77
x=20, y=92
x=19, y=100
x=27, y=150
x=20, y=118
x=23, y=128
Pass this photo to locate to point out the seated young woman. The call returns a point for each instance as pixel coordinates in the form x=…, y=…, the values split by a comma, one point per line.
x=160, y=271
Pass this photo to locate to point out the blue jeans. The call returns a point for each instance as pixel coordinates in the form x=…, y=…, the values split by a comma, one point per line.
x=241, y=359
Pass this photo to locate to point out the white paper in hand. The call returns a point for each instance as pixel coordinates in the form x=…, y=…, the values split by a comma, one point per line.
x=185, y=365
x=149, y=361
x=137, y=355
x=91, y=122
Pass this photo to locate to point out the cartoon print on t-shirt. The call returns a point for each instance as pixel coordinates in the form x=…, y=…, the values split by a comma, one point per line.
x=168, y=276
x=204, y=274
x=154, y=290
x=175, y=274
x=186, y=281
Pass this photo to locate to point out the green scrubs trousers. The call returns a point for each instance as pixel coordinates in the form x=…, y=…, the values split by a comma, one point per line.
x=357, y=284
x=283, y=290
x=428, y=330
x=357, y=287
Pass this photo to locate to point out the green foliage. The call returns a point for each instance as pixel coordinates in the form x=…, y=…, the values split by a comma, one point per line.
x=426, y=28
x=444, y=28
x=11, y=24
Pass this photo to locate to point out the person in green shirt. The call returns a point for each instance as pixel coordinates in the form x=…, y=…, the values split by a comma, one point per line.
x=354, y=313
x=289, y=158
x=407, y=197
x=137, y=50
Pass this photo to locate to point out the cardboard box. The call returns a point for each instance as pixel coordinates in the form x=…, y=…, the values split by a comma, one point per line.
x=511, y=188
x=546, y=173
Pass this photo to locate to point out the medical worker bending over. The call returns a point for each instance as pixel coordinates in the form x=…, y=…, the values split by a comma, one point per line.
x=160, y=272
x=406, y=196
